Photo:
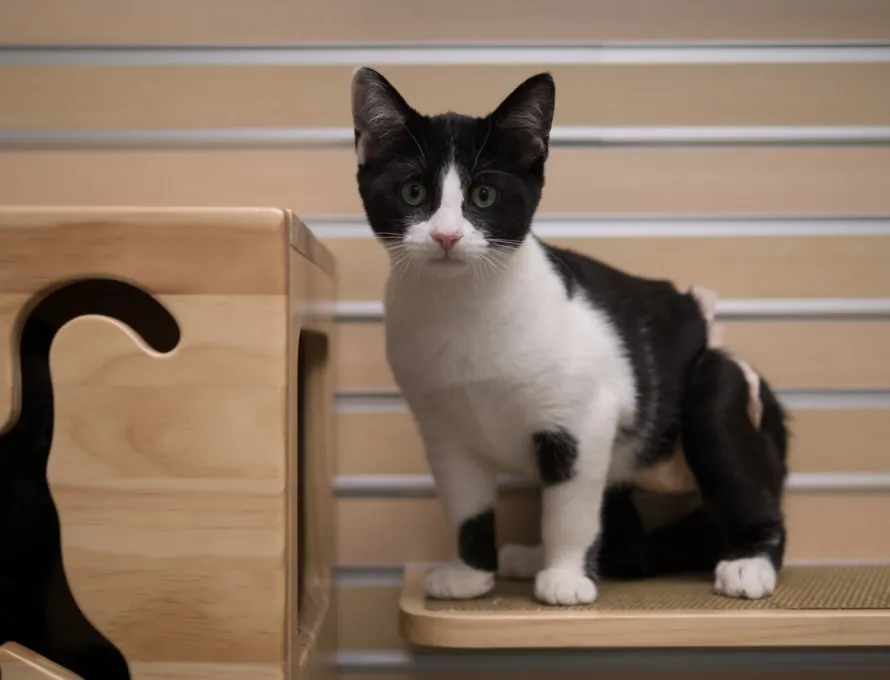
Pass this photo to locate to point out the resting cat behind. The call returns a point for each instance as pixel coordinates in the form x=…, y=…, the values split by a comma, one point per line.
x=515, y=356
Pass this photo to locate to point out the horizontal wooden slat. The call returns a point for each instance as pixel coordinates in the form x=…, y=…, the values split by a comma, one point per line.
x=69, y=97
x=317, y=181
x=821, y=526
x=241, y=21
x=790, y=354
x=822, y=440
x=737, y=267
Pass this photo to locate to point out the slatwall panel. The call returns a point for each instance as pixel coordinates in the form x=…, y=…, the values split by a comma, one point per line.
x=278, y=21
x=592, y=94
x=739, y=144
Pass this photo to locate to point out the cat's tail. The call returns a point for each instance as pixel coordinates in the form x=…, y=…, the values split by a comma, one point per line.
x=55, y=307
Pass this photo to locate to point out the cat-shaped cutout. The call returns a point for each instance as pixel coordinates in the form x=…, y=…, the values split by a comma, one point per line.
x=37, y=607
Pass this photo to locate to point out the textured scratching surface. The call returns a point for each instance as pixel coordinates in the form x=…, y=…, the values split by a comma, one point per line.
x=799, y=588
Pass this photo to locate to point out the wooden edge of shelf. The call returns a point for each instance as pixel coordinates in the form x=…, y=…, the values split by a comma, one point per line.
x=556, y=628
x=36, y=664
x=301, y=239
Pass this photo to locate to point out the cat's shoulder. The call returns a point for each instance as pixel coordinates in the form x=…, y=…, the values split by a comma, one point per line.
x=580, y=271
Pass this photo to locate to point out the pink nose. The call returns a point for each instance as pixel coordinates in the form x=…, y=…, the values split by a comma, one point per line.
x=446, y=241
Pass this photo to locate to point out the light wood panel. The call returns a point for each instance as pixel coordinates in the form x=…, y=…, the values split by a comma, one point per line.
x=169, y=472
x=785, y=266
x=68, y=97
x=821, y=526
x=147, y=670
x=311, y=538
x=689, y=673
x=790, y=354
x=241, y=21
x=172, y=554
x=321, y=181
x=136, y=244
x=822, y=440
x=236, y=347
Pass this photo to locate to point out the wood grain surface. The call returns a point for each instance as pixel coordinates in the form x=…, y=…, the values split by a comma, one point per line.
x=285, y=21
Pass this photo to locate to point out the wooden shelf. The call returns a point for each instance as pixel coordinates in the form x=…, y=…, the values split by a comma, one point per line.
x=681, y=612
x=20, y=663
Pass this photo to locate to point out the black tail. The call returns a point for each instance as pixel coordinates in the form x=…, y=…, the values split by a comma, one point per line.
x=37, y=608
x=54, y=308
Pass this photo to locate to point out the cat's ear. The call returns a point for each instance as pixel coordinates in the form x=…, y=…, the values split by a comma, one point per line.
x=378, y=112
x=527, y=114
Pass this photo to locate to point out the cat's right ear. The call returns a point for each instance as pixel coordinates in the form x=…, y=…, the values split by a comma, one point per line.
x=378, y=113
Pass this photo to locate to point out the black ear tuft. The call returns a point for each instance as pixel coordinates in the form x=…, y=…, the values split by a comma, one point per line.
x=527, y=112
x=378, y=111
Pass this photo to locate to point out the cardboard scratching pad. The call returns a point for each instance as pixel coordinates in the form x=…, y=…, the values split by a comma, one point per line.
x=812, y=606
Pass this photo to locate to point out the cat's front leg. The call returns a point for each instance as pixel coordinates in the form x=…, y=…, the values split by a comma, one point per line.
x=573, y=466
x=467, y=488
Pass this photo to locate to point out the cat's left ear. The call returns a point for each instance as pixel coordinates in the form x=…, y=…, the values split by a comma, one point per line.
x=527, y=113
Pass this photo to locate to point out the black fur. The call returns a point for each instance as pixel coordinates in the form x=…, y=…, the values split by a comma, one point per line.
x=476, y=542
x=740, y=471
x=556, y=451
x=37, y=608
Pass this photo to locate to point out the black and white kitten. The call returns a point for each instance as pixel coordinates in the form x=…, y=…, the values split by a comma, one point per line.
x=515, y=356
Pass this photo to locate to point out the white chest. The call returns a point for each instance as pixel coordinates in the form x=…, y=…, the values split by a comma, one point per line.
x=490, y=368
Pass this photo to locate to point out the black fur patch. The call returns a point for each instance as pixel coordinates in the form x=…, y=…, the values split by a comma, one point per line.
x=476, y=545
x=556, y=452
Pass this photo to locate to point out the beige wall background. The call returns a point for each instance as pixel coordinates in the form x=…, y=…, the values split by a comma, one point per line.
x=741, y=145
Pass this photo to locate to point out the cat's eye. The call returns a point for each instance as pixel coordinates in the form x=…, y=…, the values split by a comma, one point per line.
x=413, y=193
x=484, y=196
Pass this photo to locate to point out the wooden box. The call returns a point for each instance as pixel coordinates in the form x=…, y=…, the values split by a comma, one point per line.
x=165, y=501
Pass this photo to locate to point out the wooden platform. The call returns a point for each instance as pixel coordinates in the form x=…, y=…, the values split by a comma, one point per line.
x=812, y=606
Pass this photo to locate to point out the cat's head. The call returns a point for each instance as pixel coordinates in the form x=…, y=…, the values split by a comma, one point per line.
x=443, y=191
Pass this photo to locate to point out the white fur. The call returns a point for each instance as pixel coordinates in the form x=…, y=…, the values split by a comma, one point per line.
x=520, y=562
x=489, y=351
x=749, y=577
x=457, y=581
x=447, y=220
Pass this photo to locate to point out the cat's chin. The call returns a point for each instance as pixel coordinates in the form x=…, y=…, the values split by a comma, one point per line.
x=447, y=268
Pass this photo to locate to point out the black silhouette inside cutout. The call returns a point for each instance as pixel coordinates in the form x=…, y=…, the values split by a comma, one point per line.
x=37, y=607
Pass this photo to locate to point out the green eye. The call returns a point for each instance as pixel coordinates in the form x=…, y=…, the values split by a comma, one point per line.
x=413, y=193
x=484, y=196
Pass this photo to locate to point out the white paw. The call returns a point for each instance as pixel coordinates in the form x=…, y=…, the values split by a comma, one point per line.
x=520, y=561
x=565, y=587
x=457, y=582
x=751, y=577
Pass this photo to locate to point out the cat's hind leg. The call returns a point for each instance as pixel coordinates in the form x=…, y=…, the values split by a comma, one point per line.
x=520, y=562
x=735, y=442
